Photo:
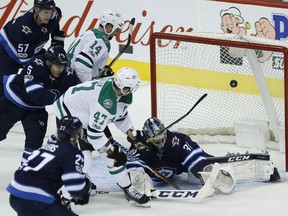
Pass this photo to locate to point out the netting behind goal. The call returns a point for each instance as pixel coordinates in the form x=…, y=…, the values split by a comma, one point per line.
x=244, y=77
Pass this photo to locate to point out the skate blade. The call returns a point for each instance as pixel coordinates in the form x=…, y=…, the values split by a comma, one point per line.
x=145, y=205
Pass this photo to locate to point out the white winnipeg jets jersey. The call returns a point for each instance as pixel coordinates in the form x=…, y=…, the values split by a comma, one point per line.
x=96, y=105
x=88, y=54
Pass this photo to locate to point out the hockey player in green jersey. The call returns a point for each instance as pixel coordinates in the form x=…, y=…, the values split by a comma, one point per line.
x=89, y=53
x=97, y=103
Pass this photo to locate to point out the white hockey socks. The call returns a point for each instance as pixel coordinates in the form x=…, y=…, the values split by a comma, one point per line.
x=119, y=173
x=88, y=161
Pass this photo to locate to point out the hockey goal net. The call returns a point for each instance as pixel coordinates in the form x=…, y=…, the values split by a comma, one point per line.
x=244, y=77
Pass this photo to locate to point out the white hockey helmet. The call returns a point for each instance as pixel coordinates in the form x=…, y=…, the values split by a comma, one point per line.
x=111, y=17
x=127, y=77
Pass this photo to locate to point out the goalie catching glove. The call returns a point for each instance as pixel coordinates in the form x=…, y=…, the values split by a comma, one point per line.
x=106, y=72
x=138, y=142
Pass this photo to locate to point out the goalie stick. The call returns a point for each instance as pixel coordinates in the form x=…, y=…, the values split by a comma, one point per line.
x=166, y=194
x=239, y=157
x=132, y=22
x=206, y=191
x=178, y=120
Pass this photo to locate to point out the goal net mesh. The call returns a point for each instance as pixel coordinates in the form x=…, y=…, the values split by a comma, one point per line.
x=185, y=66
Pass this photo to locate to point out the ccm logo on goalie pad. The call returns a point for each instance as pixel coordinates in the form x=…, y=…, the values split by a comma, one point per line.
x=175, y=194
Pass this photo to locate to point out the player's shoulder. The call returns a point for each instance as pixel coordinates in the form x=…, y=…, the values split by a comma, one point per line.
x=99, y=36
x=176, y=137
x=62, y=149
x=69, y=73
x=127, y=99
x=177, y=133
x=38, y=63
x=36, y=67
x=25, y=21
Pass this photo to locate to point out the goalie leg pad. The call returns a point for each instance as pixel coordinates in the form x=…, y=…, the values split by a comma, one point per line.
x=223, y=180
x=252, y=170
x=141, y=181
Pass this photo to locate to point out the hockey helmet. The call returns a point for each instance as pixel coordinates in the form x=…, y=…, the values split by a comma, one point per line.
x=56, y=55
x=111, y=17
x=69, y=128
x=45, y=4
x=127, y=77
x=153, y=126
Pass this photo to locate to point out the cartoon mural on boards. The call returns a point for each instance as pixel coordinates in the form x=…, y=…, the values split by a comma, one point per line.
x=232, y=22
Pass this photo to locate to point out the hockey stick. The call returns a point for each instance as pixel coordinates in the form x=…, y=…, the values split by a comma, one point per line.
x=166, y=194
x=132, y=22
x=239, y=157
x=159, y=175
x=178, y=120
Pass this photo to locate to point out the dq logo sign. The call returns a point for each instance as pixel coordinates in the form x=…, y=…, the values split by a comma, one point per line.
x=281, y=26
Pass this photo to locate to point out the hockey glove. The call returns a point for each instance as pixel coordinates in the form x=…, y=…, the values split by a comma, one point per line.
x=56, y=93
x=118, y=155
x=58, y=39
x=139, y=141
x=106, y=72
x=81, y=200
x=83, y=142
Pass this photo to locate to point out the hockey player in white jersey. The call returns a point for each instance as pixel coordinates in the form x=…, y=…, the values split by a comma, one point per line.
x=97, y=103
x=89, y=53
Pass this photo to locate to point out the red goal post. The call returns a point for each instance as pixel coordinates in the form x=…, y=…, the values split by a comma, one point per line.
x=245, y=78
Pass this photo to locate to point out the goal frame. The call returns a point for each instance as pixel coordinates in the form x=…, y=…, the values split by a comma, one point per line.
x=211, y=41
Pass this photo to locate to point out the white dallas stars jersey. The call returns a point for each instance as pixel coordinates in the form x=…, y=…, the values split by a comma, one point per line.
x=95, y=104
x=88, y=54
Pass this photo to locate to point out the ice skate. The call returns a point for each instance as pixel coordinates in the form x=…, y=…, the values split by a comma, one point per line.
x=134, y=197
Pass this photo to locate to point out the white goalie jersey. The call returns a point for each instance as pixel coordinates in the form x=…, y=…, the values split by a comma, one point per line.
x=88, y=54
x=95, y=104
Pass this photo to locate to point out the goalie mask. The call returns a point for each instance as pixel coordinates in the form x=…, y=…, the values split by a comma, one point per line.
x=127, y=78
x=111, y=17
x=151, y=127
